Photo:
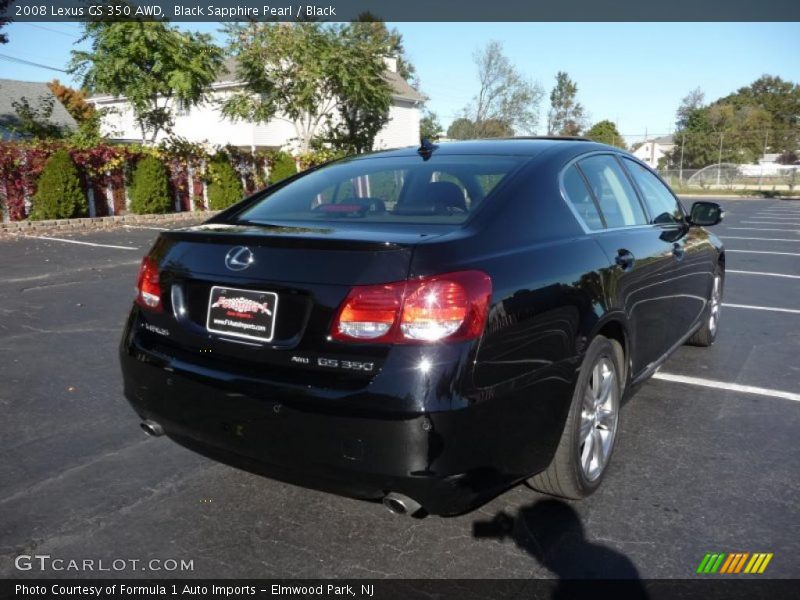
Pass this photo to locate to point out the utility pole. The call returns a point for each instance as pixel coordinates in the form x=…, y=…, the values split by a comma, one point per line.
x=680, y=169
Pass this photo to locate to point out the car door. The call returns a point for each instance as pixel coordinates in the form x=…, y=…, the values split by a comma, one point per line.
x=640, y=279
x=692, y=275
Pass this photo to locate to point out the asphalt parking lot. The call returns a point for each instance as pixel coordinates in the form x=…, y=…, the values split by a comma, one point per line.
x=707, y=459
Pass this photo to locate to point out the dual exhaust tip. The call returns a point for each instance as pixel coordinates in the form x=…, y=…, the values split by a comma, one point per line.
x=152, y=428
x=399, y=504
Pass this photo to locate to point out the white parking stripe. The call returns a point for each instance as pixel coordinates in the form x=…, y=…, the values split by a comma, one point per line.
x=52, y=239
x=769, y=221
x=762, y=273
x=723, y=385
x=767, y=308
x=144, y=227
x=767, y=228
x=763, y=252
x=734, y=237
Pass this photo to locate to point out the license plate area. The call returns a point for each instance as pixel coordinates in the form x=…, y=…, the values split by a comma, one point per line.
x=248, y=314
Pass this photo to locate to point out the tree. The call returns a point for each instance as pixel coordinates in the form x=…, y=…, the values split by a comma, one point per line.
x=461, y=129
x=34, y=119
x=59, y=194
x=153, y=65
x=566, y=116
x=149, y=190
x=281, y=166
x=691, y=103
x=4, y=6
x=606, y=132
x=73, y=100
x=363, y=95
x=391, y=41
x=306, y=73
x=505, y=96
x=429, y=126
x=781, y=100
x=225, y=187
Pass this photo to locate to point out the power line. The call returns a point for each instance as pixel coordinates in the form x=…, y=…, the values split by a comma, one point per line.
x=22, y=61
x=60, y=32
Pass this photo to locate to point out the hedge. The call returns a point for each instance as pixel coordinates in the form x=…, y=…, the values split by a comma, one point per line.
x=60, y=193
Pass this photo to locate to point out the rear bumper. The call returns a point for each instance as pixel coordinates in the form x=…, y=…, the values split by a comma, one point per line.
x=449, y=461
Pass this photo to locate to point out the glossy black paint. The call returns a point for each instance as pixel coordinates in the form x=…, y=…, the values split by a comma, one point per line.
x=450, y=425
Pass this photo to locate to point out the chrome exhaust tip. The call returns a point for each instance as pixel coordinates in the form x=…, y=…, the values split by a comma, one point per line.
x=400, y=504
x=152, y=428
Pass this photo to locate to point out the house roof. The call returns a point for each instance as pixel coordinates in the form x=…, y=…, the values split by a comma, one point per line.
x=401, y=89
x=12, y=91
x=664, y=140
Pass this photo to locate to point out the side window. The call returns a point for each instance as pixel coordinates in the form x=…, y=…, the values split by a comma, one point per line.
x=660, y=202
x=614, y=193
x=581, y=200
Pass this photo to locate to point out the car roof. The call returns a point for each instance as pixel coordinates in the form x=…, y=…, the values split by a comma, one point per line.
x=516, y=146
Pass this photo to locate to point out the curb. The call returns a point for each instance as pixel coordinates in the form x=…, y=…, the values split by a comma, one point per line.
x=95, y=223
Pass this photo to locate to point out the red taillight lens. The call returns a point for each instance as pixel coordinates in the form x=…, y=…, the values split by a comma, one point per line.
x=447, y=307
x=148, y=289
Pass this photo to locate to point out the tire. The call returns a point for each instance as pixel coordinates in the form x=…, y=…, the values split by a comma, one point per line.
x=707, y=333
x=575, y=471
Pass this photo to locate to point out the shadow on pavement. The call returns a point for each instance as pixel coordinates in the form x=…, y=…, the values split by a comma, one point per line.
x=551, y=531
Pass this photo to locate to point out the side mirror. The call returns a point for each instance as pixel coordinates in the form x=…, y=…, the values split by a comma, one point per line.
x=706, y=214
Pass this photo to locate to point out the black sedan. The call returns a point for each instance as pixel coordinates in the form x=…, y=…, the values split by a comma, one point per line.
x=425, y=327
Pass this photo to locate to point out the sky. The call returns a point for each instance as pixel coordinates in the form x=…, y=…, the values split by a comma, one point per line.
x=634, y=74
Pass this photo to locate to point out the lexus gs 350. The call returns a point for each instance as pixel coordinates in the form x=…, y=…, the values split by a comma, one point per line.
x=426, y=326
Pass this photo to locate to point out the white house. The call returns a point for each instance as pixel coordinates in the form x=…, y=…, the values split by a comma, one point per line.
x=654, y=149
x=205, y=123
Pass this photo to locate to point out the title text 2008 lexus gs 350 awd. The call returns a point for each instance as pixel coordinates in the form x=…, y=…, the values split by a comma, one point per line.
x=425, y=326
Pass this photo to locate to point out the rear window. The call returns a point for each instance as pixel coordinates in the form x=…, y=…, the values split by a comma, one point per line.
x=443, y=189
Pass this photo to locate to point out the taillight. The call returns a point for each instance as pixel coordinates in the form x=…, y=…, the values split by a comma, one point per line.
x=448, y=307
x=148, y=289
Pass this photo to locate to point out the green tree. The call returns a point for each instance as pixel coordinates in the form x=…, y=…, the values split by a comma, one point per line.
x=307, y=73
x=392, y=41
x=225, y=187
x=281, y=167
x=59, y=194
x=566, y=115
x=606, y=132
x=505, y=96
x=149, y=191
x=363, y=95
x=155, y=66
x=462, y=129
x=781, y=100
x=429, y=126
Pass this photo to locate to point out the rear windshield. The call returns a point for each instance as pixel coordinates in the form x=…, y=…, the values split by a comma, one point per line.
x=443, y=189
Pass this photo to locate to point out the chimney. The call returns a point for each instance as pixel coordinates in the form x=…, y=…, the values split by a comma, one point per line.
x=391, y=63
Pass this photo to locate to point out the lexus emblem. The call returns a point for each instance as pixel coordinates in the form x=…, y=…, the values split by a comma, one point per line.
x=239, y=258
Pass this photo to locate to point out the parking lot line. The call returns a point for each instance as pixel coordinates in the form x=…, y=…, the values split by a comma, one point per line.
x=767, y=308
x=763, y=252
x=44, y=237
x=769, y=221
x=766, y=228
x=144, y=227
x=762, y=273
x=735, y=237
x=723, y=385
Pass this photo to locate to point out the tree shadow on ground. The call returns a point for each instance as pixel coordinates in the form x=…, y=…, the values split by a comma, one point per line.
x=551, y=531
